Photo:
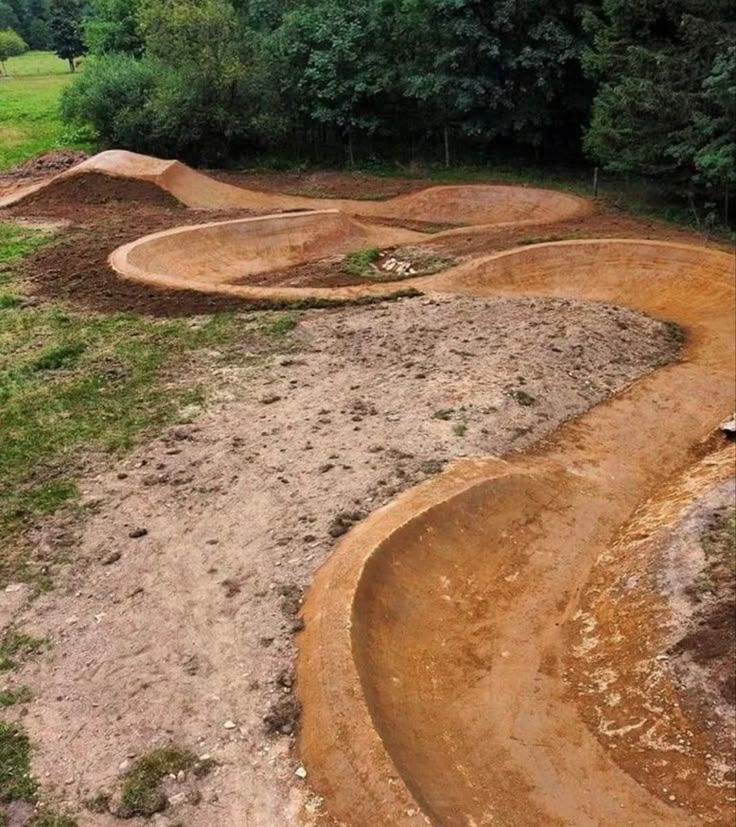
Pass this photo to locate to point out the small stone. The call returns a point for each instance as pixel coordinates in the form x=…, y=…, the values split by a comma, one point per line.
x=728, y=427
x=300, y=772
x=230, y=725
x=137, y=532
x=111, y=558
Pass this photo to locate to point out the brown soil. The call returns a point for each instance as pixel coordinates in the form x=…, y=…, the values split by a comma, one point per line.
x=75, y=270
x=94, y=189
x=331, y=272
x=43, y=165
x=186, y=634
x=705, y=652
x=323, y=184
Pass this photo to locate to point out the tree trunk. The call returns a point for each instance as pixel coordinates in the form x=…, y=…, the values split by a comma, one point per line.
x=447, y=146
x=351, y=156
x=72, y=67
x=726, y=206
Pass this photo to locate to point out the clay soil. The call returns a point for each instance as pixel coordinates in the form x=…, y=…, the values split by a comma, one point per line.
x=102, y=215
x=186, y=634
x=175, y=619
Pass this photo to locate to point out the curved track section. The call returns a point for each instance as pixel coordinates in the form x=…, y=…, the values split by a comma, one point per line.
x=210, y=257
x=460, y=205
x=432, y=666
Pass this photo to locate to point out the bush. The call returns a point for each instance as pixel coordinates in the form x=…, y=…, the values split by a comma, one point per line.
x=11, y=45
x=113, y=96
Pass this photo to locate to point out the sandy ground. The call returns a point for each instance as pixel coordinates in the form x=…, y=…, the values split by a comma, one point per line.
x=186, y=633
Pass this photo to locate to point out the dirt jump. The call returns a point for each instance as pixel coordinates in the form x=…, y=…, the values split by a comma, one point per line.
x=456, y=666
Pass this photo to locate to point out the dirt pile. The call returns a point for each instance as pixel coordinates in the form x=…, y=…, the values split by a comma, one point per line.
x=95, y=189
x=45, y=164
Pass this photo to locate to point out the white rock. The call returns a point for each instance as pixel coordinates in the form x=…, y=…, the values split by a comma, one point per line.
x=230, y=725
x=300, y=772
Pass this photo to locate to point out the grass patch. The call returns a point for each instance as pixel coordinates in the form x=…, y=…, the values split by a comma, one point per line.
x=30, y=120
x=16, y=647
x=16, y=781
x=141, y=793
x=51, y=820
x=73, y=381
x=460, y=428
x=13, y=697
x=281, y=325
x=358, y=263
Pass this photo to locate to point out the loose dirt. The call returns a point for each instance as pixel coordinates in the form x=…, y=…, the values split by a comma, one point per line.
x=186, y=632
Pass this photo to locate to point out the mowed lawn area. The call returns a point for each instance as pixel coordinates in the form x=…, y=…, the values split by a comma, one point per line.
x=30, y=121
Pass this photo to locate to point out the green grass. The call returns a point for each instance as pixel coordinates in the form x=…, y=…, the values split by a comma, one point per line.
x=141, y=790
x=30, y=120
x=16, y=781
x=358, y=263
x=16, y=647
x=36, y=63
x=77, y=382
x=13, y=697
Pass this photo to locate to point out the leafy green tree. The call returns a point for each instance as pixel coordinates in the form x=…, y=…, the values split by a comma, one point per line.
x=65, y=30
x=8, y=18
x=652, y=61
x=11, y=45
x=38, y=34
x=113, y=27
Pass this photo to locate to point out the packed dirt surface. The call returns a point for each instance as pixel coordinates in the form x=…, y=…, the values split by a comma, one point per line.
x=172, y=635
x=663, y=699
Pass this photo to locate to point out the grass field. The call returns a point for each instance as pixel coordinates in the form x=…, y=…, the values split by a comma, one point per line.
x=29, y=108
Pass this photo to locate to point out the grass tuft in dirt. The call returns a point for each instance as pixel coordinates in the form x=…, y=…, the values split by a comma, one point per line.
x=358, y=263
x=141, y=793
x=13, y=697
x=16, y=647
x=16, y=781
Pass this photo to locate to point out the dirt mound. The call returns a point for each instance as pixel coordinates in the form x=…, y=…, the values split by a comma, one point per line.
x=96, y=189
x=47, y=163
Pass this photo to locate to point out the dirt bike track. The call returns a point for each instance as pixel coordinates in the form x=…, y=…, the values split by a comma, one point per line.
x=439, y=636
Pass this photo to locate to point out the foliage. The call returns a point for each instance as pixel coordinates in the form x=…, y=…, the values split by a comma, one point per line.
x=11, y=45
x=666, y=94
x=113, y=94
x=113, y=27
x=65, y=30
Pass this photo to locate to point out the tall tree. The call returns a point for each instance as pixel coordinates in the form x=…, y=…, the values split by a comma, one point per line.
x=652, y=60
x=113, y=27
x=65, y=30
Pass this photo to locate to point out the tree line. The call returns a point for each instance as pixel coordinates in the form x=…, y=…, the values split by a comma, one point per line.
x=637, y=86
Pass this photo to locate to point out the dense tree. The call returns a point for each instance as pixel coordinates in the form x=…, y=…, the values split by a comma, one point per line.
x=11, y=45
x=65, y=30
x=8, y=18
x=650, y=83
x=113, y=27
x=664, y=98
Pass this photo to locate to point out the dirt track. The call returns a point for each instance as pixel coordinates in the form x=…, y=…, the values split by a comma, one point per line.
x=438, y=635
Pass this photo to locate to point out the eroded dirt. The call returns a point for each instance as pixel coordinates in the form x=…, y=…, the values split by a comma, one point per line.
x=176, y=620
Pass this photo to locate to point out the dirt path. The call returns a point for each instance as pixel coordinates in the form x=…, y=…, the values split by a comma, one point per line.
x=193, y=625
x=434, y=649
